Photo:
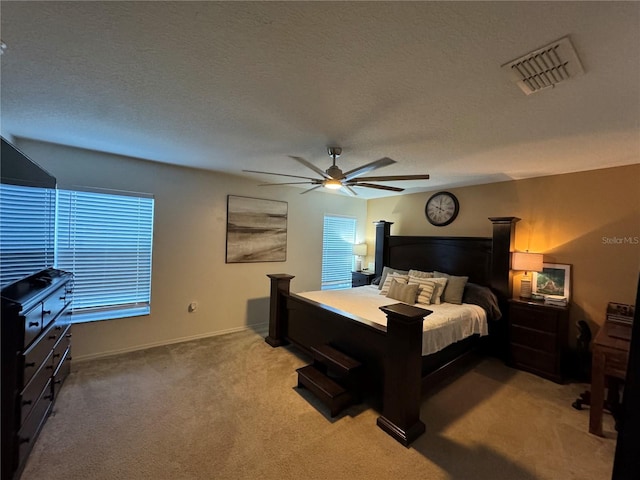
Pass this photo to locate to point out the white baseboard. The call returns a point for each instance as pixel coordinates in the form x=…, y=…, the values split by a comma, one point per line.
x=259, y=328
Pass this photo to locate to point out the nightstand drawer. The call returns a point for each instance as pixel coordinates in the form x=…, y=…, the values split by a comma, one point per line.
x=359, y=279
x=537, y=339
x=530, y=358
x=535, y=318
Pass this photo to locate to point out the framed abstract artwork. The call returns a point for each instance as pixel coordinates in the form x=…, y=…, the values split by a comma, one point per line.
x=256, y=230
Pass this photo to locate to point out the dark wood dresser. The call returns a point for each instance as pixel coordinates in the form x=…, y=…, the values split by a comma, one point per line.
x=538, y=338
x=36, y=343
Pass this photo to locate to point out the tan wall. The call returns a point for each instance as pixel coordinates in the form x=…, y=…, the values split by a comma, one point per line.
x=189, y=247
x=567, y=217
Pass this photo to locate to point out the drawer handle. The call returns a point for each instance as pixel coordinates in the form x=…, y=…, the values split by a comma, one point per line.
x=25, y=440
x=34, y=324
x=49, y=367
x=46, y=312
x=57, y=382
x=69, y=335
x=52, y=337
x=30, y=364
x=63, y=298
x=27, y=402
x=48, y=397
x=56, y=355
x=58, y=327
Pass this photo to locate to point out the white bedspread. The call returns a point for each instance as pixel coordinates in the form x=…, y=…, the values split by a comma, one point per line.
x=447, y=324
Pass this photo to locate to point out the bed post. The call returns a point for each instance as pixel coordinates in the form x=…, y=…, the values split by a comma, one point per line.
x=402, y=377
x=383, y=231
x=503, y=237
x=278, y=309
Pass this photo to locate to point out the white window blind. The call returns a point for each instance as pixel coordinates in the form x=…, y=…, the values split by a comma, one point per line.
x=338, y=237
x=106, y=241
x=27, y=216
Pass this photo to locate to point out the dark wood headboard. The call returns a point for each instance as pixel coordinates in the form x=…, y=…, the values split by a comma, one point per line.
x=485, y=260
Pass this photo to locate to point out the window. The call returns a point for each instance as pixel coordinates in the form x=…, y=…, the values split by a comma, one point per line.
x=105, y=240
x=338, y=237
x=27, y=217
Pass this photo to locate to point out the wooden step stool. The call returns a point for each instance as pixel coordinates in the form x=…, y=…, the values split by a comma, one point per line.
x=332, y=378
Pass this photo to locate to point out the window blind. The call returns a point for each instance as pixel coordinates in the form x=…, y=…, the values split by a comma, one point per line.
x=338, y=237
x=27, y=216
x=106, y=241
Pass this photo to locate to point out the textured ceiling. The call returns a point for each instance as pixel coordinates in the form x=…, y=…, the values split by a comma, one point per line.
x=227, y=86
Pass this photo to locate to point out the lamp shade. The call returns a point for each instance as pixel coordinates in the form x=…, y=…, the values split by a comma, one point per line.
x=360, y=249
x=528, y=262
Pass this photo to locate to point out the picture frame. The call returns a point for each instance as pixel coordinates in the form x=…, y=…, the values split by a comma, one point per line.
x=256, y=230
x=554, y=280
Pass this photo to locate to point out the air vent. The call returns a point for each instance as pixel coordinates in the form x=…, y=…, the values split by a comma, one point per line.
x=545, y=67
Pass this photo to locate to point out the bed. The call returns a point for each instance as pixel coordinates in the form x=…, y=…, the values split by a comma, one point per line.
x=391, y=352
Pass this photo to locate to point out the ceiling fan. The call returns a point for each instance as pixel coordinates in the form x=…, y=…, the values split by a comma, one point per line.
x=333, y=178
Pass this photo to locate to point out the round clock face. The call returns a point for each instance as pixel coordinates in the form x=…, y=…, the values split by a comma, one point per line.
x=442, y=209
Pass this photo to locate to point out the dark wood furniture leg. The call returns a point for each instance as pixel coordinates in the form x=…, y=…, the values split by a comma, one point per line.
x=597, y=393
x=280, y=284
x=402, y=384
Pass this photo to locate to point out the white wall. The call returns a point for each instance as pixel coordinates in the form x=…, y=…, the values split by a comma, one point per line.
x=189, y=247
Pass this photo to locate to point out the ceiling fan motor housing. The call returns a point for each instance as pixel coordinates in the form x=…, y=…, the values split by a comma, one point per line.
x=335, y=172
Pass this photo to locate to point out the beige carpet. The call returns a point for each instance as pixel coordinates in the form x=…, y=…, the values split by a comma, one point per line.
x=227, y=408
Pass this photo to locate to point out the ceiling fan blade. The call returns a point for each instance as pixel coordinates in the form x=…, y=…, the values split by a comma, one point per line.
x=392, y=178
x=320, y=172
x=349, y=190
x=379, y=187
x=288, y=183
x=310, y=189
x=281, y=174
x=382, y=162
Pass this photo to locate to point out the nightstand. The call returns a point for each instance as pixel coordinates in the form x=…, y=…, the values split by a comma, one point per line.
x=359, y=279
x=538, y=338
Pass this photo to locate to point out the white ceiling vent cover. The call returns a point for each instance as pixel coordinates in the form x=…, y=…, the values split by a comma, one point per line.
x=545, y=67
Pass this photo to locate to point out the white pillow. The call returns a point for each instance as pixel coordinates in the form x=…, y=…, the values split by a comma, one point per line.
x=426, y=287
x=393, y=276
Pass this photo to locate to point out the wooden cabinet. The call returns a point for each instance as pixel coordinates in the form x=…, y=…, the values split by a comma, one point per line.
x=36, y=346
x=358, y=279
x=538, y=338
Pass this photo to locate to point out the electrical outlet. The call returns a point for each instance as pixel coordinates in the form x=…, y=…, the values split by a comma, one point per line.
x=193, y=306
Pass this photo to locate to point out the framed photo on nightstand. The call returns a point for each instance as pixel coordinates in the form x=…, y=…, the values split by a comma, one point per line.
x=554, y=279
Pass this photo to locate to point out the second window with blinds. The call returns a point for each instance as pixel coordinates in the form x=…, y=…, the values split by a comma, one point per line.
x=338, y=237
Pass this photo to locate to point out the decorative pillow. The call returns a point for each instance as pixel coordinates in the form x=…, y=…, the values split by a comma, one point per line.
x=403, y=292
x=426, y=286
x=393, y=276
x=484, y=297
x=440, y=284
x=454, y=288
x=419, y=274
x=386, y=271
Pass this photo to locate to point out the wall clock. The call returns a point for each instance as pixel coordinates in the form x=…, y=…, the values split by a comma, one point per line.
x=442, y=209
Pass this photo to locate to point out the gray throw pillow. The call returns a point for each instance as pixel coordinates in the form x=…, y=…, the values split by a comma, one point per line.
x=403, y=292
x=454, y=289
x=386, y=271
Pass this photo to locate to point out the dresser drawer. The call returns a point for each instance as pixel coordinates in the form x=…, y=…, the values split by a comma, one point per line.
x=34, y=388
x=61, y=373
x=535, y=318
x=32, y=324
x=35, y=355
x=53, y=305
x=33, y=424
x=535, y=339
x=64, y=342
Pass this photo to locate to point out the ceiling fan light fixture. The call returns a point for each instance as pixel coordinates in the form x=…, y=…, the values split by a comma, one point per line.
x=332, y=184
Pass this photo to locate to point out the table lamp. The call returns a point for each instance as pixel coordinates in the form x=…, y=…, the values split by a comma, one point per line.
x=527, y=262
x=359, y=250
